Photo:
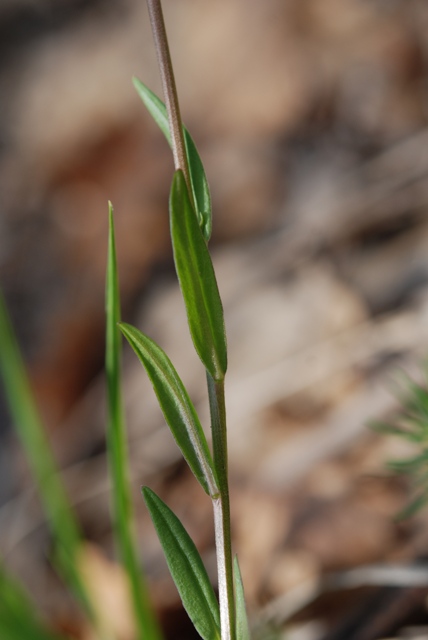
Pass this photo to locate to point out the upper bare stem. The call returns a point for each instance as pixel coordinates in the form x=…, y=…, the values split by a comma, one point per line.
x=169, y=88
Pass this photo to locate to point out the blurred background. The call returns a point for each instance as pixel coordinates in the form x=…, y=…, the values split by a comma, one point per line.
x=311, y=119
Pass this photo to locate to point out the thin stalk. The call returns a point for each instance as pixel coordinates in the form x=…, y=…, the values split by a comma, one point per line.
x=169, y=89
x=222, y=509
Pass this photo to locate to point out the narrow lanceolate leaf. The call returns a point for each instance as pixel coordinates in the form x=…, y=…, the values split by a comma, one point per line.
x=186, y=567
x=197, y=281
x=39, y=454
x=176, y=406
x=117, y=454
x=18, y=617
x=242, y=629
x=200, y=188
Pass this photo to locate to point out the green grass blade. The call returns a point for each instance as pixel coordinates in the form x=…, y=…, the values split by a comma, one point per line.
x=117, y=453
x=197, y=281
x=18, y=618
x=186, y=567
x=35, y=443
x=200, y=188
x=176, y=406
x=242, y=628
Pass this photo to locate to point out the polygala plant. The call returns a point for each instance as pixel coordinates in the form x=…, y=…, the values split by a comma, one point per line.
x=190, y=222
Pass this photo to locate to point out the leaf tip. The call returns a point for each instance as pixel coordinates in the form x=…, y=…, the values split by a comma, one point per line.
x=110, y=215
x=125, y=328
x=148, y=495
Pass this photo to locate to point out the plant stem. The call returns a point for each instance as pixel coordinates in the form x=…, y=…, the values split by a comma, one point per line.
x=222, y=509
x=169, y=89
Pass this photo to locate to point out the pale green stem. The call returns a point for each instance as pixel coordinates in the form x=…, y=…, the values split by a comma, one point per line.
x=222, y=509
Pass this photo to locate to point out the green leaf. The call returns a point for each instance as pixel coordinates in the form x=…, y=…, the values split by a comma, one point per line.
x=186, y=567
x=176, y=406
x=200, y=188
x=18, y=617
x=198, y=282
x=118, y=454
x=242, y=629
